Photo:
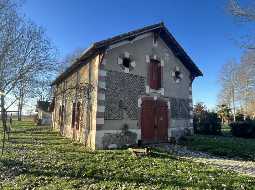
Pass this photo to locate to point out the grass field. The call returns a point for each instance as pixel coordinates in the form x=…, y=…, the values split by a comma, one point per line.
x=41, y=159
x=227, y=146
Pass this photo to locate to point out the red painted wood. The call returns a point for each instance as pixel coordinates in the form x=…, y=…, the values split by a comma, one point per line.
x=147, y=120
x=162, y=121
x=154, y=120
x=158, y=76
x=155, y=75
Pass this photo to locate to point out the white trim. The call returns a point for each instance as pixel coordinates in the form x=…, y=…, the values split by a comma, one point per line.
x=147, y=89
x=101, y=108
x=169, y=105
x=162, y=91
x=101, y=84
x=102, y=73
x=126, y=70
x=126, y=54
x=100, y=121
x=162, y=63
x=133, y=64
x=147, y=58
x=120, y=60
x=101, y=96
x=139, y=102
x=150, y=90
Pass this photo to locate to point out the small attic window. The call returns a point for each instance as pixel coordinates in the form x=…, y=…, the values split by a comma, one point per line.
x=177, y=74
x=126, y=62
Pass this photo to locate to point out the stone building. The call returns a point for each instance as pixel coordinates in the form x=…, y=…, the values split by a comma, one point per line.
x=134, y=86
x=43, y=113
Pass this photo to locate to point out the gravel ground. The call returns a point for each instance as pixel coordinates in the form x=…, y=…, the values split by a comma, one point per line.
x=243, y=167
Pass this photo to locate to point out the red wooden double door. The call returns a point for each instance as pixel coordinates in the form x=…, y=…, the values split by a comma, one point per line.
x=154, y=120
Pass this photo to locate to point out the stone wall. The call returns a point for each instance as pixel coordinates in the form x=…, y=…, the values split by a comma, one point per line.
x=180, y=108
x=66, y=93
x=119, y=139
x=122, y=93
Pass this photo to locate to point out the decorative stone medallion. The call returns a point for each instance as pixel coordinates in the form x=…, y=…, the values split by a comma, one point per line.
x=177, y=74
x=126, y=62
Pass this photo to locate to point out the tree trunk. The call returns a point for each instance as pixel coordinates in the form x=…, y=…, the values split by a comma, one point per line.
x=3, y=117
x=20, y=105
x=233, y=102
x=19, y=115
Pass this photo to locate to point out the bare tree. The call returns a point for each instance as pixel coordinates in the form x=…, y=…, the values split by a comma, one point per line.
x=25, y=51
x=70, y=58
x=244, y=14
x=246, y=79
x=228, y=79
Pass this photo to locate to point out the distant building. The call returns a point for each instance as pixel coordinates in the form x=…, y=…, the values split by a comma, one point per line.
x=43, y=113
x=133, y=87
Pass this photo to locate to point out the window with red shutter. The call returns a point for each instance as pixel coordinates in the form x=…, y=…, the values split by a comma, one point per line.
x=60, y=114
x=155, y=74
x=77, y=119
x=73, y=115
x=158, y=76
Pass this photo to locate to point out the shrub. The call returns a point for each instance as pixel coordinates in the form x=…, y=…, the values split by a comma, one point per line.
x=239, y=117
x=244, y=129
x=207, y=123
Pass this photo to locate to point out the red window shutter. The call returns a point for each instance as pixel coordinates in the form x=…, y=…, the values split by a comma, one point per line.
x=155, y=75
x=78, y=115
x=158, y=76
x=62, y=114
x=73, y=115
x=151, y=82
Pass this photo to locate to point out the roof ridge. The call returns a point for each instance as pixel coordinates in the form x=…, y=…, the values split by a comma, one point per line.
x=100, y=46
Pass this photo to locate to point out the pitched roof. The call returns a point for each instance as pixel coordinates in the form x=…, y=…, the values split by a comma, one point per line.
x=102, y=45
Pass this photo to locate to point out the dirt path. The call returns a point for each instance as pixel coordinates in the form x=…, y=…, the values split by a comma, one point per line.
x=243, y=167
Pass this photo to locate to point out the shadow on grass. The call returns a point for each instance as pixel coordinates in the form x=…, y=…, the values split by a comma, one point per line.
x=97, y=175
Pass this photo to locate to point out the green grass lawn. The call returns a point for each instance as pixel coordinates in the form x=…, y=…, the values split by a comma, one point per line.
x=227, y=145
x=41, y=159
x=226, y=130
